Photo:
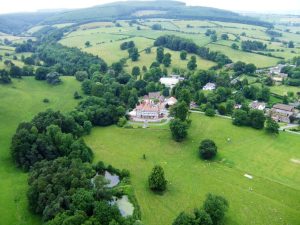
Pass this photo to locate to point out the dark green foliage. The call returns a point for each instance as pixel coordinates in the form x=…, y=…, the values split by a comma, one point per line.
x=68, y=60
x=179, y=129
x=180, y=111
x=257, y=119
x=253, y=118
x=179, y=44
x=60, y=179
x=240, y=118
x=183, y=55
x=26, y=46
x=235, y=46
x=291, y=44
x=184, y=219
x=156, y=180
x=134, y=54
x=127, y=45
x=53, y=78
x=213, y=37
x=136, y=71
x=213, y=213
x=4, y=77
x=272, y=126
x=48, y=136
x=207, y=149
x=156, y=26
x=192, y=64
x=241, y=67
x=81, y=75
x=253, y=46
x=210, y=112
x=77, y=95
x=160, y=55
x=202, y=217
x=167, y=60
x=41, y=73
x=216, y=206
x=224, y=37
x=100, y=112
x=15, y=71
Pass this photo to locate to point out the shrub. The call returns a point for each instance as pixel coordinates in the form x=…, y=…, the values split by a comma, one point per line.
x=207, y=149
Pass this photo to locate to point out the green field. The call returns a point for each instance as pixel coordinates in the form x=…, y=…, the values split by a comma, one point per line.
x=284, y=89
x=106, y=38
x=20, y=101
x=275, y=198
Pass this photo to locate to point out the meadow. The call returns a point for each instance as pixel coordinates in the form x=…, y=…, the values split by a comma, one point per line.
x=20, y=101
x=272, y=197
x=106, y=38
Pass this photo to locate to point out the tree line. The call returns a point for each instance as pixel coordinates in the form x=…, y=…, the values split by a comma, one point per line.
x=179, y=44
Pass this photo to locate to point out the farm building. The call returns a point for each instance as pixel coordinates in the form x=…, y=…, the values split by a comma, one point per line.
x=282, y=112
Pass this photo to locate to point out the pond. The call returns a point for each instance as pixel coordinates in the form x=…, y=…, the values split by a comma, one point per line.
x=113, y=179
x=125, y=206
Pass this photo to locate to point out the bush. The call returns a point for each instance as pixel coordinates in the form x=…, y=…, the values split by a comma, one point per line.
x=122, y=121
x=207, y=149
x=210, y=112
x=46, y=100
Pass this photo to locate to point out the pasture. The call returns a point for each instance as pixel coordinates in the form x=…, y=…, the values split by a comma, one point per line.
x=272, y=197
x=106, y=38
x=20, y=101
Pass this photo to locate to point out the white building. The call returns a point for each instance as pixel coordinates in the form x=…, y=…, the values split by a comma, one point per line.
x=258, y=105
x=171, y=81
x=209, y=87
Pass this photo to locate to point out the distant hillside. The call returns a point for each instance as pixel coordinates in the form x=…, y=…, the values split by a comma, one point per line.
x=124, y=10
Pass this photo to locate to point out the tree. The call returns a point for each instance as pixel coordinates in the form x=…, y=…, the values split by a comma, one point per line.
x=291, y=44
x=136, y=71
x=183, y=55
x=4, y=77
x=77, y=95
x=87, y=44
x=156, y=180
x=202, y=217
x=134, y=54
x=210, y=112
x=159, y=54
x=272, y=126
x=257, y=119
x=148, y=50
x=178, y=129
x=156, y=26
x=207, y=149
x=235, y=46
x=167, y=60
x=183, y=219
x=224, y=37
x=53, y=78
x=240, y=118
x=41, y=73
x=81, y=75
x=216, y=206
x=180, y=111
x=213, y=37
x=15, y=71
x=192, y=64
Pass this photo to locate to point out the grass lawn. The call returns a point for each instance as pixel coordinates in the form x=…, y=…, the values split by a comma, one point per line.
x=275, y=198
x=20, y=101
x=260, y=61
x=284, y=89
x=148, y=59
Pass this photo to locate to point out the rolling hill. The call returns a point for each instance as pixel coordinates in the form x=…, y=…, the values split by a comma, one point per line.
x=17, y=23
